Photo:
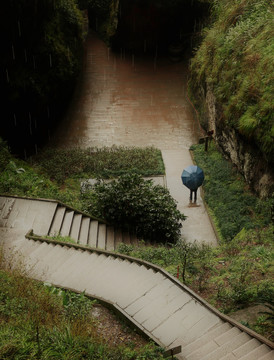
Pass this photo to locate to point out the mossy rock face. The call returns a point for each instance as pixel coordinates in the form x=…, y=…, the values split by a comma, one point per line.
x=232, y=66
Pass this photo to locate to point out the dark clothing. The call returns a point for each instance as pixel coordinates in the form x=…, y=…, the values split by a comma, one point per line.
x=195, y=195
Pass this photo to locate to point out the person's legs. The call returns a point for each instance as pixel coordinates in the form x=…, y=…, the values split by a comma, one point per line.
x=190, y=195
x=195, y=195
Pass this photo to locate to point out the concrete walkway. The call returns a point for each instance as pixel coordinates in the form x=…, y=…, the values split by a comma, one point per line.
x=197, y=227
x=138, y=103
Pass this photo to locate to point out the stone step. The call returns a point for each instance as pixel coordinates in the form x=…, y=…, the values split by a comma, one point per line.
x=228, y=357
x=25, y=247
x=76, y=279
x=227, y=346
x=68, y=268
x=167, y=312
x=144, y=303
x=84, y=231
x=215, y=344
x=67, y=222
x=110, y=245
x=168, y=332
x=56, y=258
x=61, y=256
x=268, y=356
x=50, y=253
x=257, y=353
x=44, y=217
x=102, y=233
x=57, y=221
x=93, y=234
x=40, y=251
x=135, y=291
x=205, y=325
x=206, y=338
x=147, y=306
x=26, y=214
x=75, y=227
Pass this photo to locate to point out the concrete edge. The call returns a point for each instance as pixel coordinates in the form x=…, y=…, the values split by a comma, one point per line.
x=206, y=206
x=57, y=202
x=156, y=268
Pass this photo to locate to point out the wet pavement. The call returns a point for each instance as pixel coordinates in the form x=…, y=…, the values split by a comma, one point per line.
x=129, y=100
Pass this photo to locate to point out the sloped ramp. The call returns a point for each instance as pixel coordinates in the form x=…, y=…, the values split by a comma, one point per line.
x=164, y=309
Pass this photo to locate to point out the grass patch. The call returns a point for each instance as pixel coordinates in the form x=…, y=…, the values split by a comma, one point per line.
x=233, y=206
x=56, y=173
x=105, y=163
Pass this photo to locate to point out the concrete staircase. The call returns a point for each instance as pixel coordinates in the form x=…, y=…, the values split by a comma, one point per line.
x=157, y=303
x=52, y=218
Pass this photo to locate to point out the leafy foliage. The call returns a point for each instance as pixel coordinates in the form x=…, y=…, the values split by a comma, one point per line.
x=235, y=60
x=233, y=206
x=136, y=205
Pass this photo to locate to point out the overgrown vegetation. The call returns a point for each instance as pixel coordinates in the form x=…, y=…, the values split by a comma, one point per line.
x=239, y=272
x=39, y=321
x=235, y=275
x=107, y=162
x=235, y=60
x=232, y=205
x=58, y=174
x=136, y=205
x=18, y=178
x=231, y=276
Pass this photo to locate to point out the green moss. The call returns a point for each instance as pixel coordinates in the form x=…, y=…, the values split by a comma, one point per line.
x=235, y=57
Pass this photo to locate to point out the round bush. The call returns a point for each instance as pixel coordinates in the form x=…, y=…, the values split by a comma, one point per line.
x=136, y=205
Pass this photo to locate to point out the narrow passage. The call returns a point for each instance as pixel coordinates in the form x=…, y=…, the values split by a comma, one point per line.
x=140, y=101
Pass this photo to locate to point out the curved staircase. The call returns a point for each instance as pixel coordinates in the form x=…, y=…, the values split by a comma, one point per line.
x=154, y=301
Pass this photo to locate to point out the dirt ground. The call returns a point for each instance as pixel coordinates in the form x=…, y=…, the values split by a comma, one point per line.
x=114, y=331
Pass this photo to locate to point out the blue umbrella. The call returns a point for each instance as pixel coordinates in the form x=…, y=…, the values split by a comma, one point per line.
x=192, y=177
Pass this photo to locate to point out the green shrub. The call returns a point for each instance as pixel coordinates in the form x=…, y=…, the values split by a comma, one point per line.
x=136, y=205
x=233, y=206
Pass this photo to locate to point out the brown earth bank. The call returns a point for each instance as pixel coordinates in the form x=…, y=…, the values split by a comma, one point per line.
x=113, y=330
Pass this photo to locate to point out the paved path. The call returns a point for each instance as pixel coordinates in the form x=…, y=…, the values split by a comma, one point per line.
x=158, y=304
x=133, y=100
x=197, y=226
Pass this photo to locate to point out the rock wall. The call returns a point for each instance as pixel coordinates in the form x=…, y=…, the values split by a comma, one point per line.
x=258, y=173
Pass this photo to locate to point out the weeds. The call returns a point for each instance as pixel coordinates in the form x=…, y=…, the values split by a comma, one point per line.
x=235, y=60
x=233, y=206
